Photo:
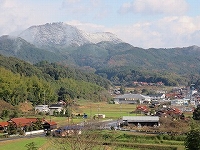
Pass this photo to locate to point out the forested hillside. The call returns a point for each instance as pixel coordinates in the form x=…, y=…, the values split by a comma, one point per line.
x=47, y=83
x=182, y=61
x=121, y=63
x=127, y=75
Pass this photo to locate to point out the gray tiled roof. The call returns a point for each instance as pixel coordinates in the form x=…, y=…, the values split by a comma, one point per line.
x=135, y=96
x=141, y=118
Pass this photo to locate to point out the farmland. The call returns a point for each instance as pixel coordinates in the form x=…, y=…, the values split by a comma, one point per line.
x=113, y=139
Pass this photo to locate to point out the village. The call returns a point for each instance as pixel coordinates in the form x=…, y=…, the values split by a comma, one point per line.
x=148, y=111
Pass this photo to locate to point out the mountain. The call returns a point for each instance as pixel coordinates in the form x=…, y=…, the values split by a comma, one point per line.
x=107, y=55
x=18, y=47
x=63, y=35
x=59, y=42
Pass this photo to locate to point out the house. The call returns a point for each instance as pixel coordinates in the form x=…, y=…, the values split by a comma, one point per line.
x=100, y=115
x=3, y=126
x=42, y=108
x=130, y=99
x=141, y=120
x=49, y=125
x=22, y=122
x=56, y=108
x=159, y=96
x=179, y=102
x=169, y=111
x=68, y=131
x=142, y=108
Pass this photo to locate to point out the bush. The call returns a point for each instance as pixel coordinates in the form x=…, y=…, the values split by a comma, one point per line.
x=160, y=137
x=166, y=137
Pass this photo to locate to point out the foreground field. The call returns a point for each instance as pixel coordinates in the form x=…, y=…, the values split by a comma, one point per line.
x=101, y=139
x=20, y=144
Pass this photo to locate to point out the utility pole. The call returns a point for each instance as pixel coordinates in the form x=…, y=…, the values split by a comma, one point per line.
x=44, y=96
x=90, y=112
x=98, y=112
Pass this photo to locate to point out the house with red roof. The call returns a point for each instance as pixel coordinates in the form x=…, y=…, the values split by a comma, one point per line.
x=3, y=126
x=28, y=124
x=22, y=122
x=49, y=125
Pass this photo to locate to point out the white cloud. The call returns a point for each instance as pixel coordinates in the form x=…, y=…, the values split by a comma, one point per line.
x=175, y=31
x=173, y=7
x=168, y=32
x=20, y=14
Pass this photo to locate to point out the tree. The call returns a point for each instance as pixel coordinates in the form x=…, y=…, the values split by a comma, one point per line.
x=196, y=113
x=31, y=146
x=145, y=91
x=38, y=124
x=193, y=138
x=5, y=113
x=14, y=114
x=122, y=89
x=12, y=129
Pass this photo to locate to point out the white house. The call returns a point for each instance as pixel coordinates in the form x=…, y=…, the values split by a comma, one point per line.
x=179, y=102
x=55, y=108
x=159, y=96
x=42, y=108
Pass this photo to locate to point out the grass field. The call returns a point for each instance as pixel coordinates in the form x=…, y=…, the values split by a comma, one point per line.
x=111, y=111
x=20, y=144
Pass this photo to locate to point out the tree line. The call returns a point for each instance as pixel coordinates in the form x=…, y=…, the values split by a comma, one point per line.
x=127, y=75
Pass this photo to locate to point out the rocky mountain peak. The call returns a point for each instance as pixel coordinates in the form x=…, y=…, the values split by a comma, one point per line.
x=62, y=34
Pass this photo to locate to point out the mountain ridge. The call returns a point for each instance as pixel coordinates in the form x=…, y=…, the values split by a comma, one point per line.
x=104, y=54
x=63, y=35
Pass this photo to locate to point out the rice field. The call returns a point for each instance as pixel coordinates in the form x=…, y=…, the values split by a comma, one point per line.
x=111, y=111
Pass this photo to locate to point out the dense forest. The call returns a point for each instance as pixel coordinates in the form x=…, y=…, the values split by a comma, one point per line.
x=127, y=75
x=47, y=83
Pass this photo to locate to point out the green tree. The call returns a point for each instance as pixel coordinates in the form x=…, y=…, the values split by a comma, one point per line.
x=5, y=113
x=145, y=91
x=193, y=138
x=196, y=113
x=14, y=114
x=122, y=89
x=31, y=146
x=12, y=129
x=38, y=124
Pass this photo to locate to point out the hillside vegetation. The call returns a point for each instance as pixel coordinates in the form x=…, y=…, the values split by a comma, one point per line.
x=127, y=75
x=21, y=81
x=120, y=63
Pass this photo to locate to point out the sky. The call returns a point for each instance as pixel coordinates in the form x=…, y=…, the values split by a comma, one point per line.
x=141, y=23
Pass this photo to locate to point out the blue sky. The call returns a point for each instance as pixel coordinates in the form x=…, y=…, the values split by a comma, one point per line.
x=142, y=23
